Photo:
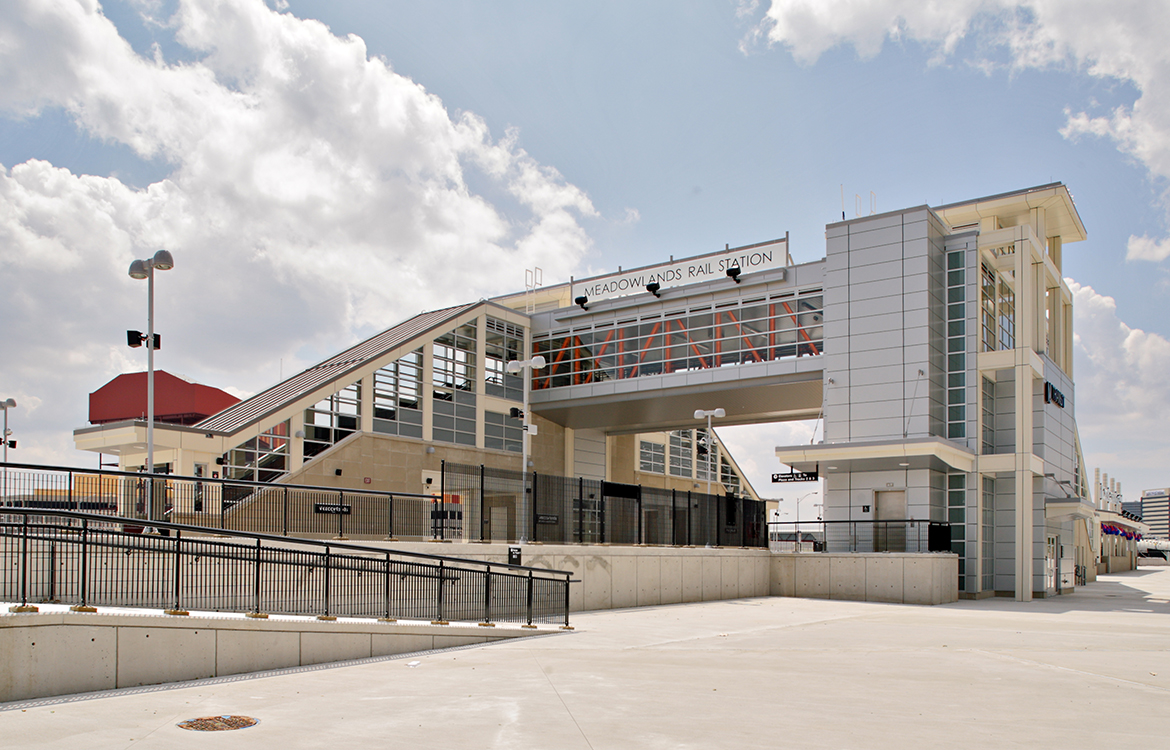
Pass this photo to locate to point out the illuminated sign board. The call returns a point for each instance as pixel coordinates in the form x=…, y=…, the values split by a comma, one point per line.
x=750, y=259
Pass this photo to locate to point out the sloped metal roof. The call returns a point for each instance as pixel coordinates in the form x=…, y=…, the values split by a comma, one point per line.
x=279, y=396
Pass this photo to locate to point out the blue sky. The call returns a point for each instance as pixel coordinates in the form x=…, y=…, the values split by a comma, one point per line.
x=273, y=157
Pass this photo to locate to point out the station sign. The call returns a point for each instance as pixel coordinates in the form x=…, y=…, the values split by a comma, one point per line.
x=333, y=509
x=750, y=259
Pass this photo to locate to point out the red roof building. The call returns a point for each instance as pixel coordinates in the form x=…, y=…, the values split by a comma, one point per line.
x=176, y=400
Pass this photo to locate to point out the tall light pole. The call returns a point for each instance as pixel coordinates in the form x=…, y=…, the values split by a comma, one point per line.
x=797, y=535
x=708, y=413
x=144, y=269
x=522, y=368
x=6, y=404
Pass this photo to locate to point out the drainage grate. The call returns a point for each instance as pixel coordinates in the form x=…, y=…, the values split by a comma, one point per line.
x=218, y=723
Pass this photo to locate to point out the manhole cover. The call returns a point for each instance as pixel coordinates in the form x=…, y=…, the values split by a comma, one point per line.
x=218, y=723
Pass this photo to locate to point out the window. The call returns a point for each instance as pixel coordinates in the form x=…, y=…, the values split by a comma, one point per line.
x=454, y=362
x=502, y=433
x=331, y=419
x=1007, y=316
x=988, y=544
x=453, y=386
x=987, y=308
x=681, y=453
x=956, y=408
x=957, y=516
x=729, y=477
x=988, y=416
x=652, y=457
x=260, y=459
x=504, y=343
x=397, y=396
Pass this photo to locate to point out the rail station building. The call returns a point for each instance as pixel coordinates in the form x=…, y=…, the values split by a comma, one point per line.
x=934, y=342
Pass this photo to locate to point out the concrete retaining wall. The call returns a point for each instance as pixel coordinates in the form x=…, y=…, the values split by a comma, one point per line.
x=614, y=577
x=60, y=653
x=878, y=577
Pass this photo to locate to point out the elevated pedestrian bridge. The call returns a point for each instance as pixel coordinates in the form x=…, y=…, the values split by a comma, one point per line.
x=647, y=361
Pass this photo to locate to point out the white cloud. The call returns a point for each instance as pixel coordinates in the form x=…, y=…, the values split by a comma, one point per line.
x=1105, y=38
x=1123, y=392
x=754, y=448
x=1146, y=248
x=316, y=195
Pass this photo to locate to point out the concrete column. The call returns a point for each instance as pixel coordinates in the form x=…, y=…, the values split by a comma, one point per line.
x=1028, y=309
x=366, y=421
x=428, y=390
x=296, y=448
x=480, y=377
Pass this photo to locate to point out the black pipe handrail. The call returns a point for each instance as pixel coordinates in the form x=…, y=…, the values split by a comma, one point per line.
x=937, y=533
x=216, y=532
x=70, y=538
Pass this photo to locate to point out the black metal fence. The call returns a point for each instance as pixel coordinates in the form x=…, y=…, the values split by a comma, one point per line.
x=903, y=535
x=89, y=560
x=229, y=505
x=499, y=505
x=475, y=503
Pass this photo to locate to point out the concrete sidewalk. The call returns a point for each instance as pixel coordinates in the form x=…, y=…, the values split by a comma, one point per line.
x=1087, y=670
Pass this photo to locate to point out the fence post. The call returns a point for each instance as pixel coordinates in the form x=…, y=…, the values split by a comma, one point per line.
x=529, y=623
x=387, y=617
x=580, y=509
x=442, y=520
x=638, y=510
x=284, y=523
x=439, y=597
x=328, y=564
x=567, y=626
x=84, y=606
x=341, y=515
x=601, y=515
x=718, y=522
x=742, y=522
x=533, y=519
x=482, y=519
x=72, y=501
x=256, y=607
x=24, y=606
x=673, y=521
x=689, y=504
x=177, y=609
x=487, y=598
x=52, y=597
x=390, y=522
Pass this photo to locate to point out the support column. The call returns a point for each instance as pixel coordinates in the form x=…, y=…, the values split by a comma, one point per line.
x=1029, y=328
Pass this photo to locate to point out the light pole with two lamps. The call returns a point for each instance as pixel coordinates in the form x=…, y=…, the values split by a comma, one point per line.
x=707, y=414
x=6, y=404
x=521, y=368
x=144, y=269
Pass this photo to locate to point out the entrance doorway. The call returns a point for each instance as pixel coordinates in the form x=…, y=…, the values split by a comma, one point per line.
x=889, y=512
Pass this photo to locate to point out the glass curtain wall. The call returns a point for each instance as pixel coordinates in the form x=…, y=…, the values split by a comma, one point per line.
x=734, y=333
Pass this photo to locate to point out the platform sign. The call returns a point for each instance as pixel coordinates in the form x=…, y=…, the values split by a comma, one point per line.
x=796, y=476
x=333, y=509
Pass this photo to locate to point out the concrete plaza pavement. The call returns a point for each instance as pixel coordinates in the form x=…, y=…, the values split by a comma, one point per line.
x=1091, y=669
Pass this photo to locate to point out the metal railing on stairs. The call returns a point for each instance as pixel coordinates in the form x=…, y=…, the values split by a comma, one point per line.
x=90, y=560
